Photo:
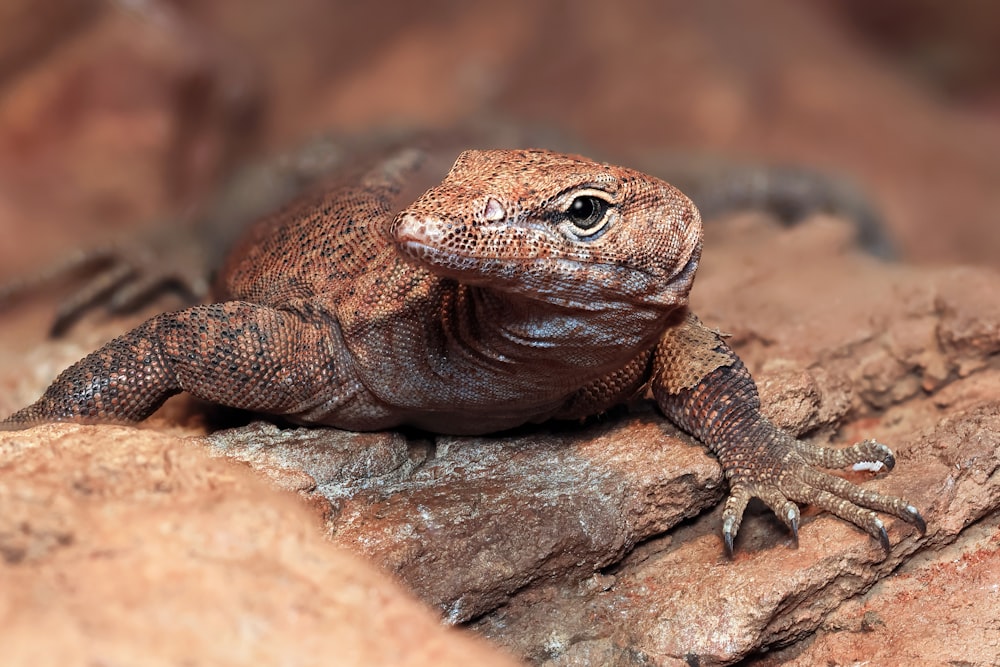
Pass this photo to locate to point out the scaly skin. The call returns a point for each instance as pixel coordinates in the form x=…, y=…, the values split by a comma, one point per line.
x=524, y=286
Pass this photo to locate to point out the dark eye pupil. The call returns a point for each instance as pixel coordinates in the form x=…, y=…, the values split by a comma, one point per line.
x=585, y=212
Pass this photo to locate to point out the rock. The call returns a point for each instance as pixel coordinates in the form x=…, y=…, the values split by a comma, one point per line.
x=116, y=114
x=473, y=520
x=124, y=546
x=891, y=623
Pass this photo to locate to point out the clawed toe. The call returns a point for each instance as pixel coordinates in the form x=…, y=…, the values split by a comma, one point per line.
x=912, y=516
x=866, y=452
x=740, y=495
x=882, y=536
x=732, y=515
x=798, y=482
x=729, y=528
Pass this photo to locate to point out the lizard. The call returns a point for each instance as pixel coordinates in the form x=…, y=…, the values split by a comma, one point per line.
x=523, y=286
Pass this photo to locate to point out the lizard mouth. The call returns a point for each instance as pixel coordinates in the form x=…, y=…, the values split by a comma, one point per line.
x=426, y=242
x=432, y=245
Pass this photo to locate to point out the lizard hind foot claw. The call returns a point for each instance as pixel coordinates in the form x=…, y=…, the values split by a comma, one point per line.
x=732, y=516
x=784, y=509
x=729, y=528
x=912, y=516
x=883, y=536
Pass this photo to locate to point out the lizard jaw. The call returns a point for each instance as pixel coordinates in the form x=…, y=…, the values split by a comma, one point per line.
x=571, y=282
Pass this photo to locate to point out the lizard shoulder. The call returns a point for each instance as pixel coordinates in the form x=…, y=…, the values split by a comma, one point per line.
x=327, y=240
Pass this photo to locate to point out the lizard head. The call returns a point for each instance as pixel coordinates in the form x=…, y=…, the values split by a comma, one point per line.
x=556, y=228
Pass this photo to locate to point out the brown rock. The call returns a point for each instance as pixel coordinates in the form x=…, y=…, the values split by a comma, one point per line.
x=123, y=546
x=474, y=520
x=28, y=28
x=115, y=116
x=891, y=624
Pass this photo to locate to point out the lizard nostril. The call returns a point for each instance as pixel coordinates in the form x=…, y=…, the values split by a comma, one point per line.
x=494, y=211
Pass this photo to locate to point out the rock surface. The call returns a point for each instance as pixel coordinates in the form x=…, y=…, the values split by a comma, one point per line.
x=472, y=521
x=124, y=546
x=568, y=545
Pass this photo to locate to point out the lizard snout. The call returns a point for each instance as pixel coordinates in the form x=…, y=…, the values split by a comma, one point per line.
x=410, y=228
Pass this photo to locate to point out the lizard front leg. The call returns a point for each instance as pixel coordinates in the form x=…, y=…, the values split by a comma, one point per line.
x=238, y=354
x=703, y=387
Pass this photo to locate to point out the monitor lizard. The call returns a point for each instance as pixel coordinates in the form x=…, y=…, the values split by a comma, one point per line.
x=525, y=285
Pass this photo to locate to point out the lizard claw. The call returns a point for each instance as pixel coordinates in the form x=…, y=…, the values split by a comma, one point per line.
x=793, y=525
x=883, y=536
x=915, y=519
x=731, y=524
x=790, y=478
x=740, y=495
x=732, y=515
x=729, y=528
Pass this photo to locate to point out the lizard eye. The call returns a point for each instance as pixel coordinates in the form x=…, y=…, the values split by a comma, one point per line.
x=587, y=213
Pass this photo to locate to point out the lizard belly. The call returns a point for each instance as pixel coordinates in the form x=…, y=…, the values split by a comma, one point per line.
x=364, y=411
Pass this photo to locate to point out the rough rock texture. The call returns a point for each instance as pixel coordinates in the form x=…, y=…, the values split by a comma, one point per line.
x=122, y=546
x=471, y=521
x=891, y=623
x=134, y=545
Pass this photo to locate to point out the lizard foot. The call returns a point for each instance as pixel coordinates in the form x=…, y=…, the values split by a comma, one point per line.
x=789, y=477
x=122, y=276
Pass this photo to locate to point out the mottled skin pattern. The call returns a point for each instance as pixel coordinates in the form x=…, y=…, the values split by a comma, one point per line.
x=524, y=286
